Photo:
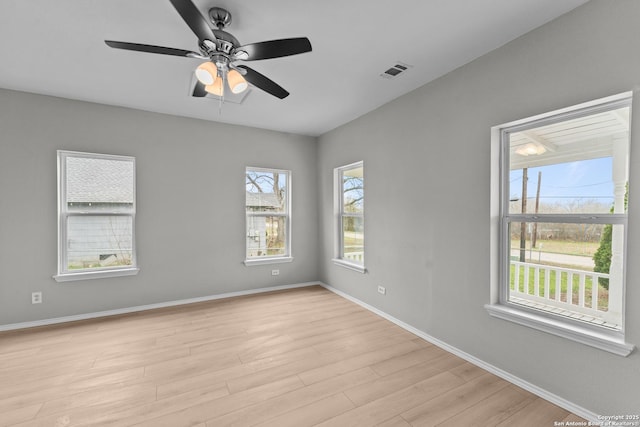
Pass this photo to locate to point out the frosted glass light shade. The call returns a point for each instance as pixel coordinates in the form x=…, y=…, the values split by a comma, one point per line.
x=237, y=83
x=206, y=73
x=216, y=88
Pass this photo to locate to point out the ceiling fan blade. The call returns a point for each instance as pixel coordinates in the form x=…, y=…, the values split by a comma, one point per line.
x=152, y=49
x=262, y=82
x=199, y=91
x=194, y=19
x=275, y=48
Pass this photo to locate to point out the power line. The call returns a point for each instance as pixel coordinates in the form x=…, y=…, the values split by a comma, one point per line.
x=581, y=186
x=575, y=197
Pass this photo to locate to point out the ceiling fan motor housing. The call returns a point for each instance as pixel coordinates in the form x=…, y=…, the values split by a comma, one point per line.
x=225, y=42
x=219, y=51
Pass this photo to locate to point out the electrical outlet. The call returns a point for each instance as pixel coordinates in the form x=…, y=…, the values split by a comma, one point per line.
x=36, y=297
x=382, y=290
x=275, y=272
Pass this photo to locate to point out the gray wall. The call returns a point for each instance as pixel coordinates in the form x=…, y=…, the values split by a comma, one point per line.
x=427, y=187
x=190, y=211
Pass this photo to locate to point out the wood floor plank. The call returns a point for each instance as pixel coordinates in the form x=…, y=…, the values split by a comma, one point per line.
x=400, y=380
x=394, y=404
x=125, y=413
x=116, y=393
x=279, y=370
x=537, y=413
x=126, y=361
x=407, y=360
x=175, y=386
x=190, y=365
x=313, y=413
x=251, y=415
x=455, y=401
x=99, y=387
x=377, y=355
x=468, y=371
x=494, y=409
x=200, y=412
x=353, y=338
x=19, y=414
x=286, y=358
x=394, y=422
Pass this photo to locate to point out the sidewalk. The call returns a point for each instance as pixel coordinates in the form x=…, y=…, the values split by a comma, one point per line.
x=539, y=256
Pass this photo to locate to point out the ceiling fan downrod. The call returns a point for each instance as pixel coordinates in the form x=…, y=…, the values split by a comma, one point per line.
x=220, y=17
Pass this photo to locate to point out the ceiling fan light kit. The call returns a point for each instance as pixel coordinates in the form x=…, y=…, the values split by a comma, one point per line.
x=221, y=50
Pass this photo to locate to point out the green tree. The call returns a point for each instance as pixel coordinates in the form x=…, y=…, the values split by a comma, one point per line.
x=602, y=256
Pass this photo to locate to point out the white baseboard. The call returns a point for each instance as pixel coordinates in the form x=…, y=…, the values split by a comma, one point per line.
x=86, y=316
x=555, y=399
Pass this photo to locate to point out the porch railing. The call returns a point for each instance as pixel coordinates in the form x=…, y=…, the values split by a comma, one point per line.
x=355, y=256
x=554, y=287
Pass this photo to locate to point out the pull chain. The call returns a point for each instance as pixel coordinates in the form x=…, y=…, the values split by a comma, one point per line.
x=224, y=82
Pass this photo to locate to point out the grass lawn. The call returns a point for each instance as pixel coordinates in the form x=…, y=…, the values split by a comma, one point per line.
x=561, y=247
x=353, y=241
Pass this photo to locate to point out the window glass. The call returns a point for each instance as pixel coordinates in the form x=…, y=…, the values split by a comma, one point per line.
x=97, y=210
x=567, y=177
x=267, y=209
x=350, y=200
x=99, y=241
x=353, y=190
x=353, y=237
x=266, y=191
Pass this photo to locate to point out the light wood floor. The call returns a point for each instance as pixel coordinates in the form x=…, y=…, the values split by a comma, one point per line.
x=290, y=358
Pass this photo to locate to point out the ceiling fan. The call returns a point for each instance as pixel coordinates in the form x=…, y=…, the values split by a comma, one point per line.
x=221, y=50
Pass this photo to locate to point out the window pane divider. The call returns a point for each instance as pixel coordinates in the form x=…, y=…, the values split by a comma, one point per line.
x=266, y=214
x=103, y=213
x=569, y=218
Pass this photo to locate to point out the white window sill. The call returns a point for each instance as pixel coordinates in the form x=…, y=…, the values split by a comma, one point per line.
x=349, y=265
x=265, y=261
x=612, y=341
x=100, y=274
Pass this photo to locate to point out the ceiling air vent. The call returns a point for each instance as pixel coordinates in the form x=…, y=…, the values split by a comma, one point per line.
x=396, y=70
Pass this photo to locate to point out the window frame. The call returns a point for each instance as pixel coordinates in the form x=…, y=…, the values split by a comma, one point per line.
x=64, y=274
x=339, y=214
x=500, y=306
x=274, y=259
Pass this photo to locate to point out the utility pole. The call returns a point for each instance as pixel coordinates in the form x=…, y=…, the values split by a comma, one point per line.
x=523, y=225
x=535, y=224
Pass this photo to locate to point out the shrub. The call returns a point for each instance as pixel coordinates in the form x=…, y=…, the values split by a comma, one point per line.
x=602, y=256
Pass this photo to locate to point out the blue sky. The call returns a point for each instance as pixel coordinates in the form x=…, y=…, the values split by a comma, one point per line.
x=565, y=182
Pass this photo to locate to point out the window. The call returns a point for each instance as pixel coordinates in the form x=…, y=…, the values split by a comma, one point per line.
x=562, y=213
x=349, y=206
x=96, y=216
x=268, y=216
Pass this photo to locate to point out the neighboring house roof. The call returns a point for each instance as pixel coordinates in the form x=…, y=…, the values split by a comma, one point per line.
x=264, y=200
x=99, y=180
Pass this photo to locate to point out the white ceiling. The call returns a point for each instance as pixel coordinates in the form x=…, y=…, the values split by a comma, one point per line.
x=57, y=48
